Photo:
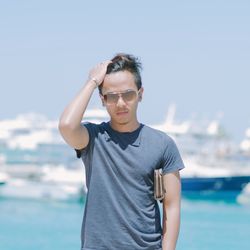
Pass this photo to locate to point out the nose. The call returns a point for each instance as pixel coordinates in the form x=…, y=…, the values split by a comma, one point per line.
x=120, y=102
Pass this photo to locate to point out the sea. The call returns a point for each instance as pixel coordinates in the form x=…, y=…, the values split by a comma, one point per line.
x=206, y=223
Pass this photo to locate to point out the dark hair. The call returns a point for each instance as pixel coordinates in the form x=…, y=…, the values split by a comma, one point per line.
x=123, y=62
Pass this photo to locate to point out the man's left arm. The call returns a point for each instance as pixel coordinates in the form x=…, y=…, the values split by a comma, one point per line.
x=171, y=210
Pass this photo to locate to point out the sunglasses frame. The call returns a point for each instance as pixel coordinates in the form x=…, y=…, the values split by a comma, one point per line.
x=119, y=94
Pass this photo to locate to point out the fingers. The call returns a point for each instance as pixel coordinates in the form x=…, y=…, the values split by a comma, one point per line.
x=102, y=65
x=99, y=71
x=105, y=63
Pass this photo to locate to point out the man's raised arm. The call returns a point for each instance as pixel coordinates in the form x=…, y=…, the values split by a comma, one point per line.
x=70, y=120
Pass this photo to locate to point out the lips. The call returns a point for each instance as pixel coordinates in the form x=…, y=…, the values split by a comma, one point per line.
x=123, y=112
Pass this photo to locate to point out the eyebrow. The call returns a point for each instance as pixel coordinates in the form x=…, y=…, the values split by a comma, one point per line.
x=118, y=92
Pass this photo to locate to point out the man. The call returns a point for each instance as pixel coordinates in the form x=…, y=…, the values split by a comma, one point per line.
x=120, y=157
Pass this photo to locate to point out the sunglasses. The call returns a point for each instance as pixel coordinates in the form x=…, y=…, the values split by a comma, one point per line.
x=113, y=97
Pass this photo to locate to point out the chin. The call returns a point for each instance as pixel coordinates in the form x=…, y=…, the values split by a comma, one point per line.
x=121, y=121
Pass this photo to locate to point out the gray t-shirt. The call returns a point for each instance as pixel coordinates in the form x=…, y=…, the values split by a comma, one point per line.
x=120, y=210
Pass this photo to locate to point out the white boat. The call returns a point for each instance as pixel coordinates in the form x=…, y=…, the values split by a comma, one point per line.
x=245, y=143
x=27, y=131
x=212, y=161
x=62, y=176
x=55, y=183
x=219, y=176
x=28, y=189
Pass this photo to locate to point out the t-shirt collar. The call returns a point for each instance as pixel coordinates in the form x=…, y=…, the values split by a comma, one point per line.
x=136, y=143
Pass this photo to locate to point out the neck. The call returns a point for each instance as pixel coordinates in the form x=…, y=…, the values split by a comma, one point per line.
x=125, y=127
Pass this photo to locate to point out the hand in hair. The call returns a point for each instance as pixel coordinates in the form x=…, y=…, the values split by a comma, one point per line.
x=99, y=71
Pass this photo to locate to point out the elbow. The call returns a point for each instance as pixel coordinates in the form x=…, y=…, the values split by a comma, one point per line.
x=64, y=127
x=67, y=128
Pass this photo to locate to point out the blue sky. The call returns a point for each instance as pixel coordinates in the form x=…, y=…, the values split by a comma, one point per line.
x=195, y=54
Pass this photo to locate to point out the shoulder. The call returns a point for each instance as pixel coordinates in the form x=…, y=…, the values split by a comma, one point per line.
x=96, y=132
x=157, y=135
x=159, y=140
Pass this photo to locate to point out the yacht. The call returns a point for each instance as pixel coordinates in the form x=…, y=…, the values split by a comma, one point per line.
x=245, y=143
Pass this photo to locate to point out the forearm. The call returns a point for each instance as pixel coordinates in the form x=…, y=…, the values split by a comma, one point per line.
x=74, y=111
x=171, y=226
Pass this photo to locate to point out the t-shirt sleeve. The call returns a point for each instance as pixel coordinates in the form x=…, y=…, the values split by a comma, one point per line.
x=172, y=160
x=91, y=130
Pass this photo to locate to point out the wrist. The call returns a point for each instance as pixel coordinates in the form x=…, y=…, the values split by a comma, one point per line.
x=92, y=82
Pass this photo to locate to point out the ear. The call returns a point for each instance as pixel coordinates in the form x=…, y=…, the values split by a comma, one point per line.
x=140, y=94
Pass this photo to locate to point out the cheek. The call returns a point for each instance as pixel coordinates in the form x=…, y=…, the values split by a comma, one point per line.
x=134, y=105
x=110, y=109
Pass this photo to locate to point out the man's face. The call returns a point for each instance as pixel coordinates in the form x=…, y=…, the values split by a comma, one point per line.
x=121, y=96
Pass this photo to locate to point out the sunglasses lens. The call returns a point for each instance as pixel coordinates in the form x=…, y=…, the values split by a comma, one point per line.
x=111, y=98
x=129, y=96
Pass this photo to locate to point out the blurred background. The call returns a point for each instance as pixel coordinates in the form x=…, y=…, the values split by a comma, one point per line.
x=195, y=57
